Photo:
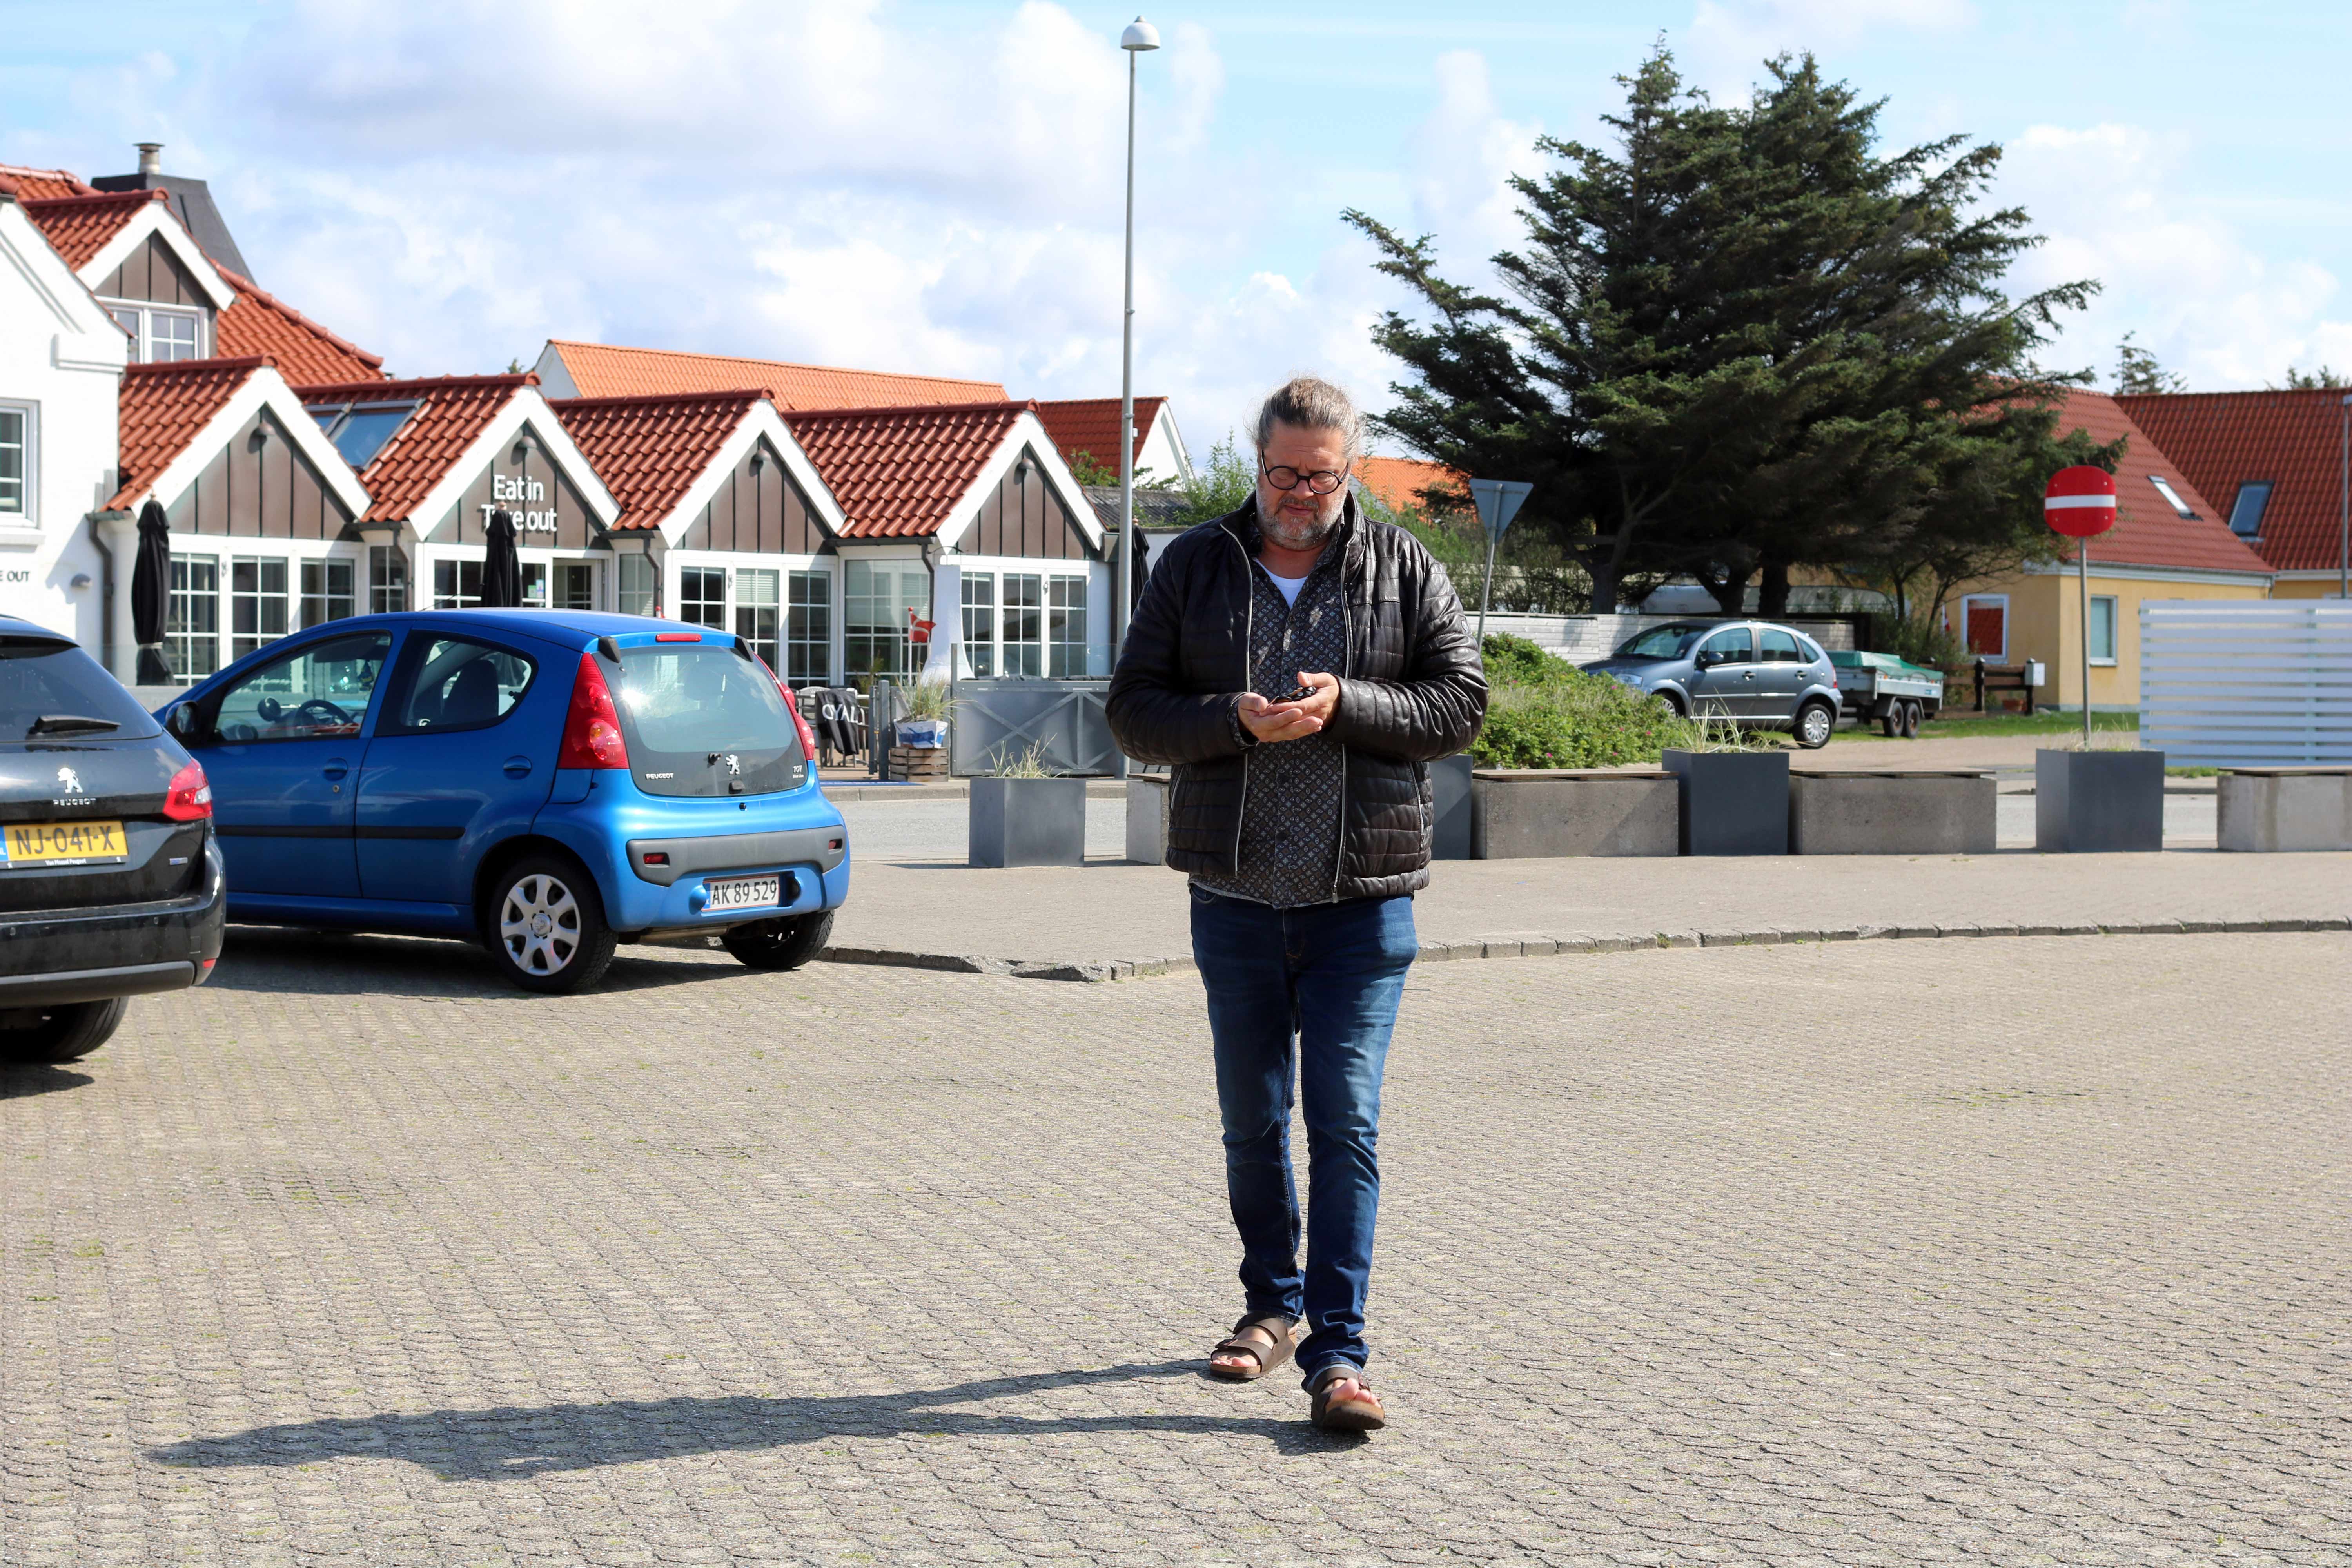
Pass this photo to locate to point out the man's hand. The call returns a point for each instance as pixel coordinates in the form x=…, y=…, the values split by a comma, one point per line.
x=1293, y=719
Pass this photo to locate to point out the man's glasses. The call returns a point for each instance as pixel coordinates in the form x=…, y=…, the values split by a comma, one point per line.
x=1322, y=481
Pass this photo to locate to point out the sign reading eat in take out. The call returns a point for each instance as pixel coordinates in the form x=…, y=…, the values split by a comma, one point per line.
x=504, y=491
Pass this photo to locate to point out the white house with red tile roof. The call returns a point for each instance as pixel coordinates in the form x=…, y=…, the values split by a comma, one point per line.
x=261, y=505
x=2272, y=463
x=724, y=520
x=61, y=357
x=437, y=456
x=1090, y=425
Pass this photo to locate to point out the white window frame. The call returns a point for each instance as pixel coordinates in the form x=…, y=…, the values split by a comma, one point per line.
x=2115, y=630
x=906, y=666
x=1065, y=657
x=385, y=594
x=1999, y=599
x=28, y=514
x=287, y=596
x=2171, y=497
x=636, y=578
x=143, y=337
x=172, y=595
x=979, y=624
x=326, y=597
x=823, y=644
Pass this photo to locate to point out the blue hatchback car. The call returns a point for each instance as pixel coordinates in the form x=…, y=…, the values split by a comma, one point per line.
x=549, y=782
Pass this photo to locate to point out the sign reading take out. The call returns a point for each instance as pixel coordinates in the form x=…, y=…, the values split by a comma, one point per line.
x=504, y=491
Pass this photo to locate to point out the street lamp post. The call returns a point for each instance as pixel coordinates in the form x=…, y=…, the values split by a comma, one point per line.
x=1139, y=36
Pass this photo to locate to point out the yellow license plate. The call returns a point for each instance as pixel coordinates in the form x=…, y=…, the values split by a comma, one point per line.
x=65, y=843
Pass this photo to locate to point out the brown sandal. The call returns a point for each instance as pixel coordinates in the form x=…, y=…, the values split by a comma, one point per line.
x=1359, y=1412
x=1281, y=1330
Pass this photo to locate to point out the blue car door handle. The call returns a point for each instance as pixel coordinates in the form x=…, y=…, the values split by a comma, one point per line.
x=518, y=766
x=336, y=767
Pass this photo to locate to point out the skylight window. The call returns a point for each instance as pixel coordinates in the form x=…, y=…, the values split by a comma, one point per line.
x=2246, y=513
x=359, y=430
x=2172, y=497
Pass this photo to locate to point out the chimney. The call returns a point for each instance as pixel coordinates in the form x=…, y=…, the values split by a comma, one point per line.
x=151, y=157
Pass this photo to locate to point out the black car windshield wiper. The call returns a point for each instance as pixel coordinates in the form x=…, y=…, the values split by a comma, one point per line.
x=69, y=724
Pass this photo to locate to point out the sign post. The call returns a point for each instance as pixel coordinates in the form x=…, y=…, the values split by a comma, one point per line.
x=2080, y=503
x=1498, y=501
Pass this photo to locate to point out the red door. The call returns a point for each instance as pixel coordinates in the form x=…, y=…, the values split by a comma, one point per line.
x=1988, y=630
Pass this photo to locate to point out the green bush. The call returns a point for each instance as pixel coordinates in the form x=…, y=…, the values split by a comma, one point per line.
x=1916, y=640
x=1543, y=713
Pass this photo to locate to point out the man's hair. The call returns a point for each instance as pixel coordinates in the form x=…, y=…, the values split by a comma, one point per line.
x=1309, y=403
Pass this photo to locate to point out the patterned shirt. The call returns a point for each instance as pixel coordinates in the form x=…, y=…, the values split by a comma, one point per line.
x=1290, y=805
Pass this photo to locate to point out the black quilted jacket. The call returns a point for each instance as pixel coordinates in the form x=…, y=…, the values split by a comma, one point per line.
x=1411, y=690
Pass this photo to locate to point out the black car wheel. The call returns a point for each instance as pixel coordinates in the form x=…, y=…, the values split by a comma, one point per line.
x=1890, y=723
x=1815, y=723
x=1914, y=715
x=786, y=943
x=544, y=924
x=47, y=1036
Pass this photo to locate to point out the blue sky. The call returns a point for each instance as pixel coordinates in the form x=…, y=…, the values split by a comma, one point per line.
x=935, y=187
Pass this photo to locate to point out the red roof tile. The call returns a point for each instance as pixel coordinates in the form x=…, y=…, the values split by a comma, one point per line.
x=650, y=450
x=901, y=472
x=2148, y=531
x=452, y=412
x=603, y=370
x=78, y=226
x=34, y=185
x=259, y=323
x=1397, y=482
x=161, y=408
x=1090, y=425
x=2221, y=439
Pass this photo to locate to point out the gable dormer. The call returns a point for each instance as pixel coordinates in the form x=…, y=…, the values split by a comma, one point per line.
x=129, y=251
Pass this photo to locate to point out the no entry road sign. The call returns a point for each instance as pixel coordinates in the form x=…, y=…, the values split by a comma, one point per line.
x=2081, y=501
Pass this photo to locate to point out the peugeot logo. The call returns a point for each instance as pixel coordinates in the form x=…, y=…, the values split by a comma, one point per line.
x=68, y=781
x=733, y=767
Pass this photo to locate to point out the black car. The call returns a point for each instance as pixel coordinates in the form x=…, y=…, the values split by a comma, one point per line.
x=110, y=884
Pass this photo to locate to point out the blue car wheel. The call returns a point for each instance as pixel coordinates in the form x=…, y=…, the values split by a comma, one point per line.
x=545, y=925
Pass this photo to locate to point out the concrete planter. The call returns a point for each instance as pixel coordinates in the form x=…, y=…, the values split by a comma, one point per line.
x=1909, y=812
x=1028, y=821
x=1733, y=802
x=2271, y=810
x=1451, y=831
x=1146, y=817
x=1522, y=814
x=2098, y=802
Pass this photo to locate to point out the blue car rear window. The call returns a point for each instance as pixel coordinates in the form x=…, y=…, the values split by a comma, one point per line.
x=702, y=719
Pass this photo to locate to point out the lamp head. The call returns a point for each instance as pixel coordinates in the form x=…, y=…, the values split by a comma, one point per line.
x=1139, y=36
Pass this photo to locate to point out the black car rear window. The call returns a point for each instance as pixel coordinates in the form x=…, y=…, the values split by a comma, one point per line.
x=702, y=719
x=52, y=690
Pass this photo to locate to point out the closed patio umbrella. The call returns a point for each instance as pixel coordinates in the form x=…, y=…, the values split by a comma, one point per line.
x=502, y=571
x=150, y=575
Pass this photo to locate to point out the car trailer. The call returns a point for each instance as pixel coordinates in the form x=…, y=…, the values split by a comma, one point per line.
x=1898, y=695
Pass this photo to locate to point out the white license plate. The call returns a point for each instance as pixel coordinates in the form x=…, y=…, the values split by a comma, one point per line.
x=743, y=893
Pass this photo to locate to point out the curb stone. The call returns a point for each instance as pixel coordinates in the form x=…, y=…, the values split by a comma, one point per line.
x=1544, y=947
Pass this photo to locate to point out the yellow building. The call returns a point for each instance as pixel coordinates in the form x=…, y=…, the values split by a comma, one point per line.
x=2167, y=543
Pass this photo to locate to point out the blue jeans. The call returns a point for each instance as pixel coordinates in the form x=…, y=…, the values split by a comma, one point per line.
x=1328, y=978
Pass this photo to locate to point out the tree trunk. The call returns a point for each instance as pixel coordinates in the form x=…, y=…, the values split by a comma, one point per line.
x=1772, y=594
x=1728, y=585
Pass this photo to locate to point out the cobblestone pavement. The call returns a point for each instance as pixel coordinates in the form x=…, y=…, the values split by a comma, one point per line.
x=1754, y=1255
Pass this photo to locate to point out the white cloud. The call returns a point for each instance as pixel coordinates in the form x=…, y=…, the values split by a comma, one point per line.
x=1728, y=40
x=1464, y=154
x=2209, y=306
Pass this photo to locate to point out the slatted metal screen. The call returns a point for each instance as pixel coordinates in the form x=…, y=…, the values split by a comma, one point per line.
x=996, y=722
x=2264, y=684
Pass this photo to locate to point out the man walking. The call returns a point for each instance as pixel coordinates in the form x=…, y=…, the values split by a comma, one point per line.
x=1299, y=664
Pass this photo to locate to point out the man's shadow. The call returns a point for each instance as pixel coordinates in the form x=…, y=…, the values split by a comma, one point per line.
x=509, y=1441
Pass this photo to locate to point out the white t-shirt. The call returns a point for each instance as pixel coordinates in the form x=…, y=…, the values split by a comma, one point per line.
x=1286, y=587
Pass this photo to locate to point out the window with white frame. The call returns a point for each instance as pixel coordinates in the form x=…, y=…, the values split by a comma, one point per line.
x=387, y=578
x=158, y=333
x=257, y=603
x=702, y=597
x=192, y=618
x=17, y=449
x=875, y=600
x=758, y=611
x=1023, y=625
x=808, y=629
x=328, y=591
x=2102, y=628
x=1066, y=626
x=534, y=584
x=639, y=585
x=980, y=622
x=456, y=585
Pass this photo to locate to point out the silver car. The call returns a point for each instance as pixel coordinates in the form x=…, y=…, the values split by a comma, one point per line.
x=1756, y=674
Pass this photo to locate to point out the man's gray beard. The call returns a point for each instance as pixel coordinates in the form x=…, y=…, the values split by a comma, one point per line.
x=1306, y=539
